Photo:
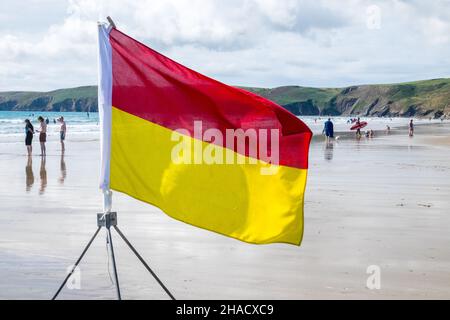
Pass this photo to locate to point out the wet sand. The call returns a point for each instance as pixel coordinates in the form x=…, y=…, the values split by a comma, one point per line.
x=383, y=201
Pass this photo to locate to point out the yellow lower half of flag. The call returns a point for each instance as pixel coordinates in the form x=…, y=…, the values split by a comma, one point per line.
x=235, y=200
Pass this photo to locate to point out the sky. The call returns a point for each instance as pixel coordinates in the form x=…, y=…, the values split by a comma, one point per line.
x=51, y=44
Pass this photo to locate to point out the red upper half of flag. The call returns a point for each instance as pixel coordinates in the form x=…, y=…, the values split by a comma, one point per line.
x=155, y=88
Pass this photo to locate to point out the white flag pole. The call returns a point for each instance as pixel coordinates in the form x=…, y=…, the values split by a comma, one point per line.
x=107, y=219
x=104, y=108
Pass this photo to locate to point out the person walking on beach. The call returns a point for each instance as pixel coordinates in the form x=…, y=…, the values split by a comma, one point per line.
x=62, y=132
x=411, y=128
x=42, y=134
x=328, y=129
x=29, y=131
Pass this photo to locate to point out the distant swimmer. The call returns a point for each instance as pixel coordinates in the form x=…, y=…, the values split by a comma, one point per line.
x=47, y=121
x=328, y=129
x=411, y=128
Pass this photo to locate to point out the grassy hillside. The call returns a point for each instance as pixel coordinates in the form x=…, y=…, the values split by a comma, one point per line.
x=73, y=99
x=423, y=98
x=291, y=94
x=428, y=98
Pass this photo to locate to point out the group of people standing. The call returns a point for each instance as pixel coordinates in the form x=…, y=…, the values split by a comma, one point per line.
x=328, y=129
x=43, y=123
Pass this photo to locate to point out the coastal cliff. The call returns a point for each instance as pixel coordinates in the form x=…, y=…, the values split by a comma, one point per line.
x=428, y=98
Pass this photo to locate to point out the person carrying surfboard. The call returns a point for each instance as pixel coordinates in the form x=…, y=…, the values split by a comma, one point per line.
x=358, y=130
x=358, y=126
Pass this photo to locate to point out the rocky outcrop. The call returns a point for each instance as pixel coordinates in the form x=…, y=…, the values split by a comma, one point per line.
x=8, y=105
x=41, y=103
x=80, y=105
x=303, y=108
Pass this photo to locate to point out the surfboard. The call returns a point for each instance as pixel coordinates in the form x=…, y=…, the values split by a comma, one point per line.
x=360, y=125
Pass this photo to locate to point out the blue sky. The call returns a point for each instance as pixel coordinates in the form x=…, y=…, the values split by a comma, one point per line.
x=50, y=44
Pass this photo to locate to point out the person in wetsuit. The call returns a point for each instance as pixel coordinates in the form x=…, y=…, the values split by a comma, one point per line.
x=29, y=131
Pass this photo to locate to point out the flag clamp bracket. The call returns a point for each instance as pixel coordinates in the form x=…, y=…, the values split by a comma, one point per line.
x=107, y=220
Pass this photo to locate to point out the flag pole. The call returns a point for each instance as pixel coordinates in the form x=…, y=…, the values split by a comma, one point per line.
x=107, y=201
x=107, y=218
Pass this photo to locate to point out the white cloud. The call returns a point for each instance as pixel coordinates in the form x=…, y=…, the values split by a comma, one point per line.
x=51, y=44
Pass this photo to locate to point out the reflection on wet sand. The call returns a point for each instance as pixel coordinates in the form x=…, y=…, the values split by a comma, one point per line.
x=29, y=181
x=63, y=169
x=43, y=176
x=328, y=154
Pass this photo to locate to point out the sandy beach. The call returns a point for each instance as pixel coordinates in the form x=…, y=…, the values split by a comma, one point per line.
x=382, y=201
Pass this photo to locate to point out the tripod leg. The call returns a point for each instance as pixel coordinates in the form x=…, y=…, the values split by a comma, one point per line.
x=76, y=264
x=114, y=264
x=144, y=263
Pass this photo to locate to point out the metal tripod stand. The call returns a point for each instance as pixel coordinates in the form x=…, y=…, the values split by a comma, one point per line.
x=108, y=220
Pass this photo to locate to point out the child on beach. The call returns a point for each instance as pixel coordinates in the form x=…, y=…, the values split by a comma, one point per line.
x=29, y=131
x=42, y=134
x=62, y=132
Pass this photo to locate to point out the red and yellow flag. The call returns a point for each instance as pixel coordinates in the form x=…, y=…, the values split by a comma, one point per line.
x=211, y=155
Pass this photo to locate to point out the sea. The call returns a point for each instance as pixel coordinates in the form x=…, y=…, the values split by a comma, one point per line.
x=79, y=124
x=86, y=125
